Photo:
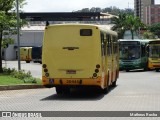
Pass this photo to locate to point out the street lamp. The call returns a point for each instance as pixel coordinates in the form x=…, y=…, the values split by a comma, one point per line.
x=18, y=36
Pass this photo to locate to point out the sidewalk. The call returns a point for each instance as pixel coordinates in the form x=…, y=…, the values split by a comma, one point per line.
x=19, y=87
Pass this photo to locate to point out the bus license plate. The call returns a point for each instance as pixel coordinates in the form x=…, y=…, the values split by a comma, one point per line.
x=73, y=81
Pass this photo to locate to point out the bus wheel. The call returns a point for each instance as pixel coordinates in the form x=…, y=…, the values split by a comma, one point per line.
x=157, y=70
x=27, y=61
x=146, y=69
x=127, y=70
x=105, y=90
x=114, y=83
x=66, y=90
x=59, y=90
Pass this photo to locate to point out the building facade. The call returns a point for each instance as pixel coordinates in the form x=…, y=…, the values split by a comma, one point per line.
x=140, y=8
x=30, y=36
x=152, y=14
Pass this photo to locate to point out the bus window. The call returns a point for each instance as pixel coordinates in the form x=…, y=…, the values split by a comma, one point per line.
x=103, y=45
x=115, y=45
x=85, y=32
x=108, y=44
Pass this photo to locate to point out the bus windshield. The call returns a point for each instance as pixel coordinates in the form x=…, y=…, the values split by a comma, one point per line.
x=130, y=52
x=154, y=51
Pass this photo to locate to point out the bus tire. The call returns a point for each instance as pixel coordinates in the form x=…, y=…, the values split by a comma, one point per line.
x=27, y=61
x=114, y=83
x=66, y=90
x=157, y=70
x=59, y=90
x=127, y=70
x=105, y=90
x=146, y=69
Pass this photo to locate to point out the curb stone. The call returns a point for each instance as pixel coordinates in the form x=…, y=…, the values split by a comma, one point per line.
x=19, y=87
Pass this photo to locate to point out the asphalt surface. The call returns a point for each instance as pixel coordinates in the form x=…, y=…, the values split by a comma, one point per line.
x=135, y=91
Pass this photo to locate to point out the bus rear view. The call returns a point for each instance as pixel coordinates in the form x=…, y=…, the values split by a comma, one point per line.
x=71, y=56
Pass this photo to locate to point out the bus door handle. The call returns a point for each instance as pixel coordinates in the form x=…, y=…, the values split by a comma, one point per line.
x=70, y=48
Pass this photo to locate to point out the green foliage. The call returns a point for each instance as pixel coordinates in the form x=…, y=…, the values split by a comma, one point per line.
x=8, y=23
x=126, y=22
x=111, y=10
x=155, y=28
x=148, y=35
x=22, y=75
x=119, y=24
x=8, y=80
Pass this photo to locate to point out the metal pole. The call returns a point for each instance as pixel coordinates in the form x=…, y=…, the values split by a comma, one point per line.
x=18, y=36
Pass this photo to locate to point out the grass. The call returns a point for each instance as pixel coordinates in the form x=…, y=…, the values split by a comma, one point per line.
x=8, y=80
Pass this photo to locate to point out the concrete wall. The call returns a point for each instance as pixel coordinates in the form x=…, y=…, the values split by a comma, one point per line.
x=27, y=38
x=30, y=38
x=10, y=53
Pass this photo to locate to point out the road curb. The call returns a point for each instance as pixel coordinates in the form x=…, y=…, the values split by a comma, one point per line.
x=19, y=87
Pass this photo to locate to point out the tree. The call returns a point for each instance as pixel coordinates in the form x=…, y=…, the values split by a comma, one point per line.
x=119, y=24
x=148, y=35
x=111, y=10
x=85, y=10
x=126, y=22
x=155, y=28
x=8, y=23
x=133, y=24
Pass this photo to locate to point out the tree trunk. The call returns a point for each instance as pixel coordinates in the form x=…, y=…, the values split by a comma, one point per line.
x=132, y=32
x=1, y=70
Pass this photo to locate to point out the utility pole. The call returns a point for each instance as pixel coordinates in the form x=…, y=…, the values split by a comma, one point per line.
x=18, y=36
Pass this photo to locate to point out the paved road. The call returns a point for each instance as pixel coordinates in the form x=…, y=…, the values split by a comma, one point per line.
x=135, y=91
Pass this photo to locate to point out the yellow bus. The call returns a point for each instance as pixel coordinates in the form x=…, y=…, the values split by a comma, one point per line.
x=79, y=55
x=26, y=54
x=154, y=55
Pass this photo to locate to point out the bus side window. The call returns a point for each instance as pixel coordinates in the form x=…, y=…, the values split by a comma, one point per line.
x=115, y=45
x=108, y=37
x=103, y=45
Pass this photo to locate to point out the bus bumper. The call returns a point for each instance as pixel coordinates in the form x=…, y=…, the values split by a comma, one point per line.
x=50, y=82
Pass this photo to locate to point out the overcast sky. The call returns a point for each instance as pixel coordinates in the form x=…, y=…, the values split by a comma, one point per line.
x=73, y=5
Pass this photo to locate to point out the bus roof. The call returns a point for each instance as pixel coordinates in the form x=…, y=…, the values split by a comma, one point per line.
x=140, y=40
x=103, y=28
x=154, y=41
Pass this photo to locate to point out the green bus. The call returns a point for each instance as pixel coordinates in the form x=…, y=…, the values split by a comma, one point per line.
x=133, y=54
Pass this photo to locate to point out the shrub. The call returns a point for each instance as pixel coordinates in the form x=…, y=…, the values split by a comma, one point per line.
x=22, y=75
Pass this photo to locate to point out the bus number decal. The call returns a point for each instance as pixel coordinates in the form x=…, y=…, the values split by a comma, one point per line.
x=73, y=81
